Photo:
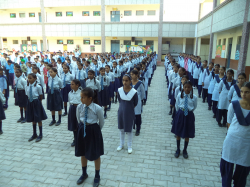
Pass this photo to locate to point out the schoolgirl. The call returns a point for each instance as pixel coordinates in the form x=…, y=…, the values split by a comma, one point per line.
x=104, y=93
x=234, y=92
x=171, y=77
x=89, y=141
x=111, y=85
x=139, y=87
x=74, y=100
x=201, y=76
x=211, y=85
x=122, y=71
x=236, y=147
x=206, y=80
x=39, y=77
x=145, y=75
x=35, y=110
x=81, y=75
x=10, y=72
x=196, y=69
x=184, y=126
x=66, y=77
x=95, y=67
x=4, y=88
x=215, y=94
x=49, y=66
x=2, y=113
x=94, y=84
x=20, y=96
x=29, y=68
x=117, y=74
x=223, y=88
x=54, y=97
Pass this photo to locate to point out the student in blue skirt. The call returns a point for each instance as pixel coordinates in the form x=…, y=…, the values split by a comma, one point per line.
x=40, y=79
x=74, y=101
x=2, y=113
x=111, y=85
x=66, y=77
x=206, y=80
x=117, y=74
x=183, y=126
x=128, y=99
x=104, y=93
x=201, y=75
x=35, y=110
x=171, y=77
x=89, y=141
x=49, y=66
x=211, y=85
x=54, y=97
x=234, y=92
x=94, y=84
x=81, y=75
x=4, y=88
x=235, y=160
x=20, y=96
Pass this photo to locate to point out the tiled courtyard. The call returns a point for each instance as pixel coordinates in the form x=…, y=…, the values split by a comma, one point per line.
x=52, y=161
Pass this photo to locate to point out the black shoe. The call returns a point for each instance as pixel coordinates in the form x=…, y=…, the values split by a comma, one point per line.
x=170, y=113
x=33, y=137
x=39, y=138
x=214, y=116
x=137, y=133
x=172, y=122
x=1, y=132
x=185, y=154
x=199, y=96
x=224, y=125
x=96, y=182
x=177, y=153
x=52, y=123
x=73, y=143
x=105, y=116
x=58, y=123
x=209, y=108
x=115, y=101
x=64, y=114
x=220, y=125
x=145, y=102
x=82, y=179
x=203, y=101
x=21, y=119
x=112, y=101
x=108, y=109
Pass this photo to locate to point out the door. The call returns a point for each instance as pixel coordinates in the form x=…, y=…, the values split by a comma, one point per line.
x=65, y=48
x=115, y=46
x=115, y=16
x=40, y=17
x=230, y=42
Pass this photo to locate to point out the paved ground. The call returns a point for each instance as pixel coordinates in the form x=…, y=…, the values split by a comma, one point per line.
x=51, y=162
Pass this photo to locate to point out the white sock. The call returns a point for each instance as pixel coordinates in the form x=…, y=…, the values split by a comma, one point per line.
x=122, y=137
x=130, y=135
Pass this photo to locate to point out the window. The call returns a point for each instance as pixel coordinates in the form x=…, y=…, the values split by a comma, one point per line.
x=70, y=14
x=127, y=13
x=97, y=42
x=22, y=15
x=149, y=42
x=239, y=40
x=86, y=42
x=138, y=42
x=24, y=42
x=139, y=12
x=12, y=15
x=70, y=41
x=224, y=41
x=59, y=41
x=31, y=15
x=85, y=13
x=219, y=42
x=97, y=13
x=15, y=41
x=34, y=42
x=127, y=42
x=151, y=12
x=58, y=14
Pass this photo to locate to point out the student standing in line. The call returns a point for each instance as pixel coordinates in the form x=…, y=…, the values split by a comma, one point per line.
x=211, y=85
x=234, y=92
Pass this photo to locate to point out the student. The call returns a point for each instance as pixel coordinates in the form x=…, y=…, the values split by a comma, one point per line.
x=54, y=97
x=145, y=74
x=29, y=68
x=74, y=101
x=201, y=75
x=104, y=93
x=236, y=147
x=4, y=88
x=35, y=110
x=94, y=84
x=39, y=78
x=196, y=69
x=206, y=80
x=89, y=141
x=111, y=85
x=116, y=73
x=81, y=75
x=183, y=126
x=20, y=96
x=223, y=88
x=23, y=67
x=87, y=67
x=10, y=73
x=128, y=99
x=139, y=87
x=49, y=66
x=2, y=113
x=234, y=92
x=211, y=85
x=171, y=77
x=215, y=94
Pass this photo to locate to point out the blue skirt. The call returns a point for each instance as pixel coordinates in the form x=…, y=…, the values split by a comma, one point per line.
x=21, y=98
x=183, y=126
x=54, y=101
x=90, y=146
x=65, y=92
x=116, y=84
x=72, y=120
x=35, y=111
x=104, y=96
x=172, y=102
x=111, y=89
x=2, y=113
x=83, y=84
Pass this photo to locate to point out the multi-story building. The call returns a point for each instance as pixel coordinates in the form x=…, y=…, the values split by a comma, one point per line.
x=211, y=29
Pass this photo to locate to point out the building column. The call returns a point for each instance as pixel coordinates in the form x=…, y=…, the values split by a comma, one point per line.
x=160, y=27
x=184, y=45
x=103, y=26
x=244, y=41
x=43, y=26
x=196, y=46
x=214, y=45
x=199, y=47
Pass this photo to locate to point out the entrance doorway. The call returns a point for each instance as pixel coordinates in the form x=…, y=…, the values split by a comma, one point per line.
x=230, y=42
x=115, y=16
x=40, y=17
x=115, y=46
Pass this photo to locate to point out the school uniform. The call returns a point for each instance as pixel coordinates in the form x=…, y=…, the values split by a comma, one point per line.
x=66, y=80
x=178, y=90
x=40, y=81
x=146, y=75
x=29, y=70
x=10, y=73
x=206, y=80
x=2, y=113
x=116, y=73
x=35, y=111
x=20, y=96
x=190, y=69
x=54, y=97
x=215, y=94
x=200, y=80
x=111, y=85
x=175, y=83
x=95, y=68
x=104, y=93
x=122, y=73
x=94, y=84
x=89, y=141
x=4, y=86
x=196, y=70
x=74, y=100
x=171, y=77
x=81, y=76
x=211, y=89
x=234, y=93
x=236, y=147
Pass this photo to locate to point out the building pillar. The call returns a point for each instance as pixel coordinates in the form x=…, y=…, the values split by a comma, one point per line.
x=196, y=45
x=199, y=47
x=244, y=41
x=184, y=41
x=43, y=25
x=103, y=26
x=160, y=27
x=214, y=45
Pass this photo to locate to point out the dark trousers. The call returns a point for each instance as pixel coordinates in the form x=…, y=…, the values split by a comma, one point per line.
x=239, y=176
x=195, y=83
x=137, y=122
x=221, y=113
x=215, y=103
x=11, y=79
x=199, y=89
x=209, y=100
x=204, y=94
x=149, y=81
x=146, y=96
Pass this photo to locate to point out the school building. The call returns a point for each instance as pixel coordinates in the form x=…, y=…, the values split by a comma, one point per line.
x=216, y=30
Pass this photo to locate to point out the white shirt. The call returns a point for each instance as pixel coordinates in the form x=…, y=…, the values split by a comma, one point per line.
x=40, y=79
x=83, y=74
x=232, y=94
x=116, y=72
x=75, y=97
x=68, y=78
x=106, y=80
x=57, y=82
x=36, y=90
x=180, y=102
x=95, y=85
x=111, y=76
x=21, y=83
x=176, y=81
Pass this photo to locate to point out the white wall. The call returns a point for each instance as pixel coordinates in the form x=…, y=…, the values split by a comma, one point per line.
x=56, y=3
x=20, y=30
x=6, y=4
x=128, y=2
x=178, y=30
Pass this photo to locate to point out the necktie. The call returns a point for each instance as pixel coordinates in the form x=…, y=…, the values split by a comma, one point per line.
x=102, y=83
x=79, y=75
x=52, y=86
x=175, y=75
x=64, y=83
x=16, y=85
x=186, y=106
x=85, y=119
x=31, y=96
x=95, y=71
